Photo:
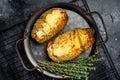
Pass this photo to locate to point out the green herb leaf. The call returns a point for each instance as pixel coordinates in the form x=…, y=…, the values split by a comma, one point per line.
x=74, y=69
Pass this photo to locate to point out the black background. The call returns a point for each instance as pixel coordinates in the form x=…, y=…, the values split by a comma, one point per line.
x=14, y=12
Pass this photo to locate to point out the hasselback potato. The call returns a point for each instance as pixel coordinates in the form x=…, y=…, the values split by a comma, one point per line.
x=49, y=24
x=70, y=44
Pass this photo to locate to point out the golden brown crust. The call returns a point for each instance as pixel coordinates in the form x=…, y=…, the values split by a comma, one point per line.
x=49, y=23
x=70, y=44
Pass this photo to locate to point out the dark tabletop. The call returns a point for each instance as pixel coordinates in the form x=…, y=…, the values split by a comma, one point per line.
x=17, y=12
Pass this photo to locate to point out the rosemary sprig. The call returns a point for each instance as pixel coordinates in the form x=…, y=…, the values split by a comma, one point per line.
x=74, y=69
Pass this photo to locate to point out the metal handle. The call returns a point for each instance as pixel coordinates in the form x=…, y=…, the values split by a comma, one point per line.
x=104, y=26
x=18, y=53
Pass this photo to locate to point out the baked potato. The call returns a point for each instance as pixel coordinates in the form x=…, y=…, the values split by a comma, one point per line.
x=70, y=44
x=49, y=24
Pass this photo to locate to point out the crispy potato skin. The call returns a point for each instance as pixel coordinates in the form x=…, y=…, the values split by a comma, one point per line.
x=48, y=24
x=70, y=44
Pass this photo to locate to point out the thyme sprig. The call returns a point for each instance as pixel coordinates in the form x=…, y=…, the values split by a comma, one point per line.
x=76, y=69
